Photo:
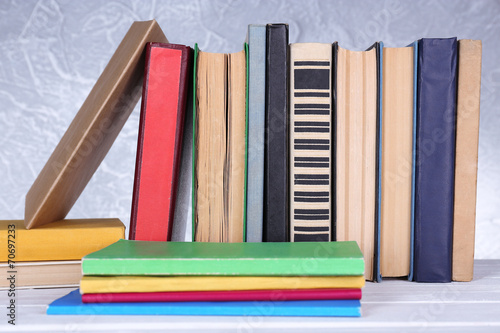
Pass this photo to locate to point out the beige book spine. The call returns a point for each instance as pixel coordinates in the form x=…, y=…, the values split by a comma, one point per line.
x=468, y=97
x=397, y=151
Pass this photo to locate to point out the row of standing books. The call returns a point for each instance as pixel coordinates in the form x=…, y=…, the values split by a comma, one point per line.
x=333, y=145
x=296, y=142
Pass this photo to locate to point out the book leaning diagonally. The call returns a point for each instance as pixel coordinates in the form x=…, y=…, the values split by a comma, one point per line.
x=93, y=130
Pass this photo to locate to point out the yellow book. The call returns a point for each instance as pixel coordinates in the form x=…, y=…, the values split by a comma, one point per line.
x=61, y=240
x=131, y=284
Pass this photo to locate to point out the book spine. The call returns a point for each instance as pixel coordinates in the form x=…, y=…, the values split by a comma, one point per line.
x=435, y=159
x=468, y=98
x=160, y=140
x=276, y=136
x=310, y=141
x=225, y=296
x=256, y=131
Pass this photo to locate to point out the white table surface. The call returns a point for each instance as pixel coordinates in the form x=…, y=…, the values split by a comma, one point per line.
x=390, y=306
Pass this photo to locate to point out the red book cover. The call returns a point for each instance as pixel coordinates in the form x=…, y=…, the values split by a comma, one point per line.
x=225, y=295
x=164, y=95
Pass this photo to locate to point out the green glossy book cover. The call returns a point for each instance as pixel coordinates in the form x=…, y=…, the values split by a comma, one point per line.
x=127, y=257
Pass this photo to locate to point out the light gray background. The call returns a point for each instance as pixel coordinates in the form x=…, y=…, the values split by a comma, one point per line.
x=52, y=52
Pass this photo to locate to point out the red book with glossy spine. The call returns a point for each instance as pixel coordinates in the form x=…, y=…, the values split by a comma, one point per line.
x=225, y=295
x=164, y=95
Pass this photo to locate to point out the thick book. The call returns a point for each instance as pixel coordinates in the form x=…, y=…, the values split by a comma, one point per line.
x=256, y=131
x=226, y=296
x=72, y=304
x=356, y=106
x=41, y=274
x=61, y=240
x=219, y=155
x=135, y=284
x=93, y=130
x=398, y=104
x=435, y=159
x=276, y=218
x=311, y=131
x=159, y=143
x=468, y=97
x=127, y=257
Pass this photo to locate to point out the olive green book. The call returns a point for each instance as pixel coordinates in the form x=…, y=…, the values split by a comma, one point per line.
x=127, y=257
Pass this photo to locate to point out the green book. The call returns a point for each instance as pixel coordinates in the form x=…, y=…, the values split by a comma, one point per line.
x=127, y=257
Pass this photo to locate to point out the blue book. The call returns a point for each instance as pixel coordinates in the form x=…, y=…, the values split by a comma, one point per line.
x=256, y=125
x=435, y=159
x=72, y=304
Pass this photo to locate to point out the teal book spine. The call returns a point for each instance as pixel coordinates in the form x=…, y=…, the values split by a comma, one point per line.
x=256, y=126
x=127, y=257
x=72, y=304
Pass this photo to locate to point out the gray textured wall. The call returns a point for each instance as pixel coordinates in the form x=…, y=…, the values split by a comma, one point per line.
x=52, y=52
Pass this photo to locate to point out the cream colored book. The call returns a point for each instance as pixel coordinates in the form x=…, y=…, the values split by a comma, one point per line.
x=41, y=274
x=356, y=151
x=397, y=160
x=220, y=147
x=469, y=91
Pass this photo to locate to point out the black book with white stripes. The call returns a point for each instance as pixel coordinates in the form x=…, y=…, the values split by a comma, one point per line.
x=310, y=142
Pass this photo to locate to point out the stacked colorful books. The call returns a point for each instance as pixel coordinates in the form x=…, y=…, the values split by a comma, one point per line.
x=259, y=279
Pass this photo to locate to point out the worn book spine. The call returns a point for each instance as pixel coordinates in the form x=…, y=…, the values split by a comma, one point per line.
x=310, y=142
x=159, y=143
x=276, y=136
x=256, y=131
x=435, y=159
x=469, y=91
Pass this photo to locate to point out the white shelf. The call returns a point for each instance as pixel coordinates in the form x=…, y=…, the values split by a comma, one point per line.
x=390, y=306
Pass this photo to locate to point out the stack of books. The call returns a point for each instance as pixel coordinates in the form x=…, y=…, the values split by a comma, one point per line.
x=180, y=278
x=50, y=256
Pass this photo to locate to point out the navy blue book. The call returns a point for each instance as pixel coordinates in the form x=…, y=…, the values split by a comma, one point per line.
x=435, y=159
x=276, y=135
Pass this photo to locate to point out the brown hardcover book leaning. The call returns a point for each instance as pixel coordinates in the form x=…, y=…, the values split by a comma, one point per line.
x=93, y=130
x=356, y=137
x=468, y=96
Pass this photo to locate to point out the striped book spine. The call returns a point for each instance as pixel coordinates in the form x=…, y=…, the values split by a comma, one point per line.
x=310, y=142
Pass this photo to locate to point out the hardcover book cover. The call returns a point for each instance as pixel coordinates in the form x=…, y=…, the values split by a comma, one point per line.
x=435, y=159
x=256, y=131
x=155, y=283
x=93, y=130
x=69, y=239
x=159, y=144
x=72, y=304
x=225, y=296
x=468, y=99
x=311, y=131
x=276, y=188
x=127, y=257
